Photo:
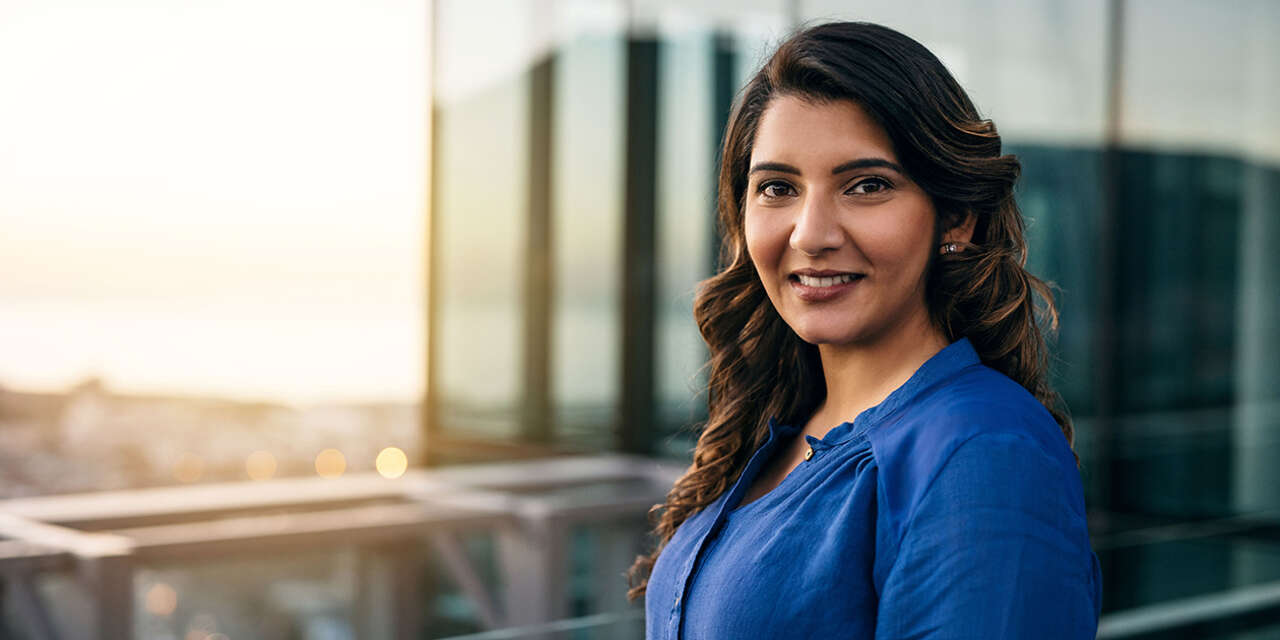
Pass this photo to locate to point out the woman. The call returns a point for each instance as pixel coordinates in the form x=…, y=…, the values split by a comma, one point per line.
x=884, y=457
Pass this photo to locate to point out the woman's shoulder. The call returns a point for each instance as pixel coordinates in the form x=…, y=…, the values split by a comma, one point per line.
x=978, y=412
x=976, y=401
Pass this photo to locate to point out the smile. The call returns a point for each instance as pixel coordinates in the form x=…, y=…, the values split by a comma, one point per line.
x=823, y=288
x=811, y=281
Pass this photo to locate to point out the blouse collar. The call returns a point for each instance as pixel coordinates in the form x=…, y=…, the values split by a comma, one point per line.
x=951, y=359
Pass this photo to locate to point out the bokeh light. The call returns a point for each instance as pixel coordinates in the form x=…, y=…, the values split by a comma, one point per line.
x=161, y=600
x=330, y=463
x=260, y=465
x=189, y=468
x=392, y=462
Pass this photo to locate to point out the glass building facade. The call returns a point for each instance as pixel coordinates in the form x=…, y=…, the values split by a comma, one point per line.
x=573, y=163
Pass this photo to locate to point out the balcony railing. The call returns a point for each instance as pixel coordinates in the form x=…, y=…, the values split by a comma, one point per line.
x=105, y=539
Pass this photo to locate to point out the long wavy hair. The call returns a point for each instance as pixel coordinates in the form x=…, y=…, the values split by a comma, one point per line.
x=758, y=366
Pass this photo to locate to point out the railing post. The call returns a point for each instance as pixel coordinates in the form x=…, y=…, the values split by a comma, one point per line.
x=619, y=543
x=389, y=598
x=107, y=578
x=533, y=564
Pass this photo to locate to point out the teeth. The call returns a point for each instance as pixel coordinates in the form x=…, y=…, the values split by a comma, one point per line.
x=810, y=281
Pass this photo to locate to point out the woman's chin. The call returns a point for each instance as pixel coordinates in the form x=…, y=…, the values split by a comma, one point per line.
x=818, y=335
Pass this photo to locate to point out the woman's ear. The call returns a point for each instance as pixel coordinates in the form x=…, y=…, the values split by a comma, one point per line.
x=962, y=231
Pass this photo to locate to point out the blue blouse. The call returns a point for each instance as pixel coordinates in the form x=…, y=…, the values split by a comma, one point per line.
x=952, y=509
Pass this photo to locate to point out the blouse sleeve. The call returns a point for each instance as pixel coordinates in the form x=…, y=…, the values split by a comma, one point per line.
x=997, y=548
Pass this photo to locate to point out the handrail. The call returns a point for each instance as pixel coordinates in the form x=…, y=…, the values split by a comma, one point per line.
x=1188, y=613
x=102, y=538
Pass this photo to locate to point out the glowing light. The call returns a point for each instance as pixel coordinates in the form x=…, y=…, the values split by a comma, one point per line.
x=392, y=462
x=189, y=468
x=330, y=463
x=161, y=600
x=260, y=465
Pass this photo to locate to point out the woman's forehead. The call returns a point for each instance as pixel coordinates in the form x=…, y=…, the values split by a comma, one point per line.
x=812, y=134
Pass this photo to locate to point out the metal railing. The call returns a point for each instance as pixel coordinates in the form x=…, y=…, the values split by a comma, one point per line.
x=103, y=539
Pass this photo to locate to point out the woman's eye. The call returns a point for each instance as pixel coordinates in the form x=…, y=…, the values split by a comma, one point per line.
x=775, y=189
x=870, y=186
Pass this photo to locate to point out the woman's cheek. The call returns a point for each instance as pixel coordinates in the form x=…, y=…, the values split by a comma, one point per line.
x=766, y=238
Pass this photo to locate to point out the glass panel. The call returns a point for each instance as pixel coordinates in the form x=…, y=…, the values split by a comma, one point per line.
x=1036, y=68
x=1219, y=96
x=1198, y=314
x=686, y=209
x=590, y=87
x=481, y=125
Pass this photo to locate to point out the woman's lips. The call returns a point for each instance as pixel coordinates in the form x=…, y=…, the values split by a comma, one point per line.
x=821, y=294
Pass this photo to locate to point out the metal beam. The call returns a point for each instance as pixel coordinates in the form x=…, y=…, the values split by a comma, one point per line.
x=430, y=411
x=1107, y=303
x=389, y=599
x=723, y=69
x=538, y=290
x=636, y=429
x=1188, y=614
x=265, y=534
x=450, y=550
x=107, y=578
x=533, y=556
x=531, y=521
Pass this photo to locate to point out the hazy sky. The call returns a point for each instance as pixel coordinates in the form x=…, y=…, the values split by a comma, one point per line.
x=213, y=197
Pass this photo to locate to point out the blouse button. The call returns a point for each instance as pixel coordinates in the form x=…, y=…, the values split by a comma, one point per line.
x=808, y=454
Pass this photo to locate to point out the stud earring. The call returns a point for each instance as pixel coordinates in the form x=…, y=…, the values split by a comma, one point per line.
x=949, y=247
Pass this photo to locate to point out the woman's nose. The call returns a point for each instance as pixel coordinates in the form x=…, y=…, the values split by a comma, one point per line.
x=817, y=228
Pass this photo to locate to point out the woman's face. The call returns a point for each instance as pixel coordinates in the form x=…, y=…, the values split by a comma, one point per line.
x=838, y=233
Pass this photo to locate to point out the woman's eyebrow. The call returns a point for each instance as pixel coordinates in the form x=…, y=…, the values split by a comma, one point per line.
x=774, y=166
x=860, y=163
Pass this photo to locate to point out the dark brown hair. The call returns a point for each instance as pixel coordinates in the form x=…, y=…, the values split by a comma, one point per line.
x=759, y=367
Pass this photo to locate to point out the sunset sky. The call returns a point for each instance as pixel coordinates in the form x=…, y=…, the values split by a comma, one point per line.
x=221, y=198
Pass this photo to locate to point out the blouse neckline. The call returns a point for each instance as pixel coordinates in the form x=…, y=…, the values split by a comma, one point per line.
x=938, y=367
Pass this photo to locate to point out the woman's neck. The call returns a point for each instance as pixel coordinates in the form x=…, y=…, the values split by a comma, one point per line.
x=861, y=376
